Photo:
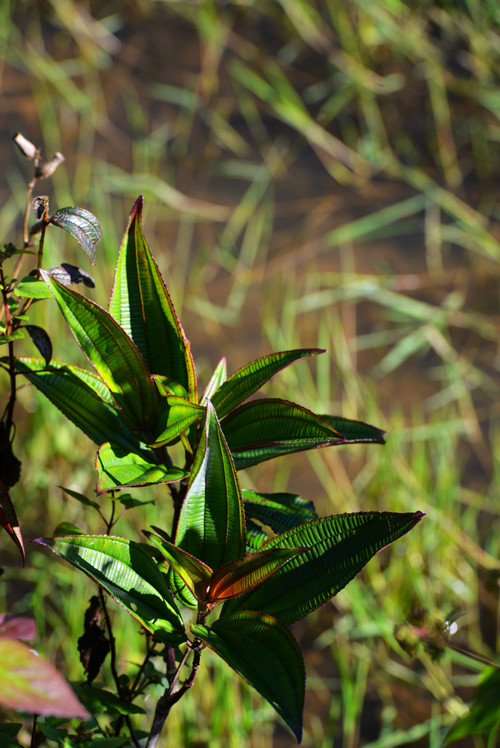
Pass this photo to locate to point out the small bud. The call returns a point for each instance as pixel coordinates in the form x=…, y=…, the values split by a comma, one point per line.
x=40, y=206
x=48, y=167
x=25, y=146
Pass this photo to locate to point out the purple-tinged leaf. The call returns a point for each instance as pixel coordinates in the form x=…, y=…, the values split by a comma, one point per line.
x=29, y=683
x=17, y=627
x=8, y=519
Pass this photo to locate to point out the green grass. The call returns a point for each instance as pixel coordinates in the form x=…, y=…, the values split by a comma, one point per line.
x=315, y=174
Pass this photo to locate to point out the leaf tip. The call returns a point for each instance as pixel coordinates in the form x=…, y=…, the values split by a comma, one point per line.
x=137, y=208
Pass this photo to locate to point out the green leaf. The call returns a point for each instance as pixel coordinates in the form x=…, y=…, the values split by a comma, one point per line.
x=337, y=549
x=193, y=572
x=355, y=431
x=78, y=395
x=31, y=684
x=99, y=701
x=32, y=288
x=251, y=377
x=484, y=714
x=211, y=522
x=281, y=511
x=118, y=468
x=263, y=429
x=263, y=652
x=112, y=354
x=216, y=380
x=141, y=304
x=175, y=415
x=17, y=335
x=82, y=225
x=129, y=574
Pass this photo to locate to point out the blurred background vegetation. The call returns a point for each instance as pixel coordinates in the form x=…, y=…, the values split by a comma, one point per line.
x=316, y=173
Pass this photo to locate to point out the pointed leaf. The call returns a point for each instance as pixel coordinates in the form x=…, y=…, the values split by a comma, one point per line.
x=338, y=548
x=17, y=627
x=175, y=415
x=194, y=573
x=263, y=429
x=251, y=377
x=8, y=519
x=82, y=225
x=129, y=574
x=31, y=684
x=355, y=431
x=78, y=395
x=216, y=380
x=118, y=468
x=246, y=573
x=211, y=523
x=281, y=511
x=41, y=340
x=68, y=274
x=111, y=352
x=141, y=304
x=263, y=652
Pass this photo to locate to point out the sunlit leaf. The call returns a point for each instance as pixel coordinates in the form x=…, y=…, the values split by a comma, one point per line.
x=79, y=396
x=31, y=684
x=337, y=549
x=82, y=225
x=118, y=468
x=32, y=288
x=211, y=523
x=112, y=353
x=216, y=380
x=263, y=429
x=251, y=377
x=175, y=415
x=129, y=574
x=263, y=652
x=141, y=304
x=193, y=572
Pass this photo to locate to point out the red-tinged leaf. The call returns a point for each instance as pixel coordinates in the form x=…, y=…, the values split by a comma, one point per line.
x=265, y=653
x=17, y=627
x=211, y=523
x=29, y=683
x=263, y=429
x=112, y=353
x=82, y=225
x=8, y=519
x=337, y=549
x=141, y=304
x=246, y=573
x=251, y=377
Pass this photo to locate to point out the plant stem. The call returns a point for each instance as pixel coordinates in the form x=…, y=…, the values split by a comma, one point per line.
x=173, y=693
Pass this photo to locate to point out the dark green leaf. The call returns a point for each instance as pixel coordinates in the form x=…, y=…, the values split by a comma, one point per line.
x=82, y=225
x=112, y=353
x=355, y=431
x=81, y=498
x=99, y=701
x=263, y=429
x=263, y=652
x=337, y=549
x=484, y=714
x=129, y=574
x=211, y=523
x=8, y=519
x=118, y=468
x=251, y=377
x=281, y=511
x=79, y=396
x=141, y=304
x=42, y=341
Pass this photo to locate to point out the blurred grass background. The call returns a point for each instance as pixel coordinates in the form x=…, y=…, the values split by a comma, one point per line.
x=315, y=174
